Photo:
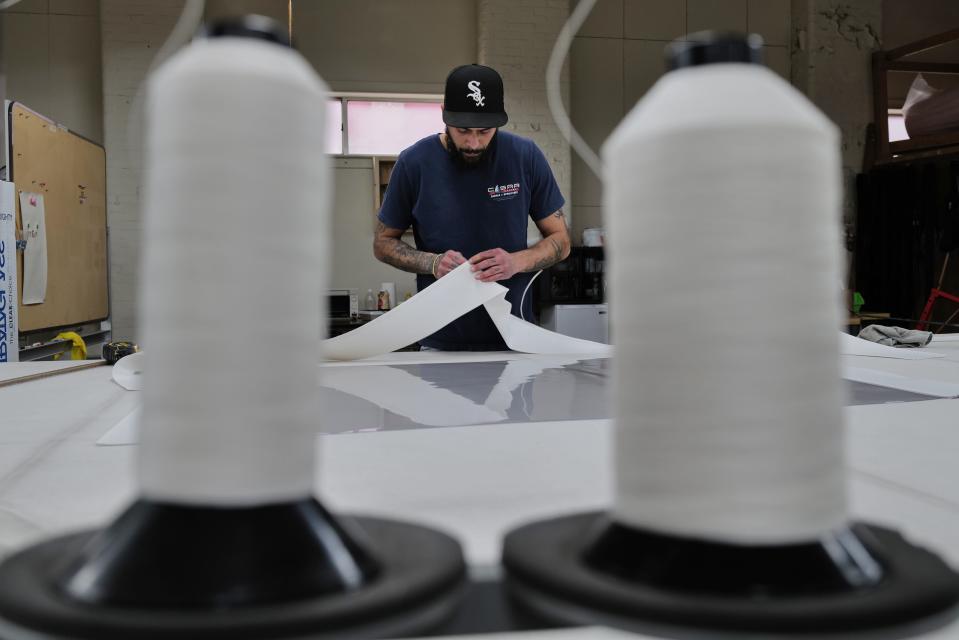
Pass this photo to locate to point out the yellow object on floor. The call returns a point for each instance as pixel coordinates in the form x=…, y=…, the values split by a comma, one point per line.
x=79, y=350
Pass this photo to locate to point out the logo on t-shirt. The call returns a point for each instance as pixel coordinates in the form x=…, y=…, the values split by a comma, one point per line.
x=498, y=191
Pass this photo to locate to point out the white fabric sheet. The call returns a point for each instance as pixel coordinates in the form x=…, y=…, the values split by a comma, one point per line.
x=447, y=299
x=128, y=371
x=889, y=380
x=53, y=481
x=853, y=346
x=126, y=431
x=945, y=337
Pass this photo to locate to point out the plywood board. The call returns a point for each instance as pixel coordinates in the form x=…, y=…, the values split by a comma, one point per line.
x=70, y=172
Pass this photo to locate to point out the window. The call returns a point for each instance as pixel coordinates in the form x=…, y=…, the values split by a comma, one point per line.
x=897, y=126
x=334, y=127
x=380, y=125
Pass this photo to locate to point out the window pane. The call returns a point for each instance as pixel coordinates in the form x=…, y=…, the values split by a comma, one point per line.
x=897, y=128
x=386, y=128
x=334, y=126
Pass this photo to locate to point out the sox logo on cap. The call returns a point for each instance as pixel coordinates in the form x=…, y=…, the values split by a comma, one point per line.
x=475, y=94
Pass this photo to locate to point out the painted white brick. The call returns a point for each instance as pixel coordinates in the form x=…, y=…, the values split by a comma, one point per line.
x=520, y=51
x=131, y=32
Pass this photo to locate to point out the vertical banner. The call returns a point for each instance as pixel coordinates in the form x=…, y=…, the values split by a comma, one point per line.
x=8, y=273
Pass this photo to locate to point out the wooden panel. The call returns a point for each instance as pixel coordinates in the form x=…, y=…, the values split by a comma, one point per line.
x=654, y=19
x=770, y=19
x=371, y=45
x=74, y=7
x=716, y=15
x=777, y=59
x=605, y=20
x=352, y=265
x=24, y=38
x=906, y=22
x=70, y=172
x=75, y=75
x=275, y=9
x=596, y=105
x=643, y=65
x=30, y=6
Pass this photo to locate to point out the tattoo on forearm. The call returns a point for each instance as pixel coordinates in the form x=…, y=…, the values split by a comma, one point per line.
x=555, y=255
x=397, y=253
x=557, y=250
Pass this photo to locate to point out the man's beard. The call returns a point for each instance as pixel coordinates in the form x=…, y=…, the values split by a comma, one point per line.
x=469, y=162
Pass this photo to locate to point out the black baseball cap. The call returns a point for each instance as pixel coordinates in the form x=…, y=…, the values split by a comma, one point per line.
x=474, y=98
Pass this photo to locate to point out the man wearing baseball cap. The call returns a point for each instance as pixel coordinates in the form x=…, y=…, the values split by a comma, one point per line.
x=468, y=193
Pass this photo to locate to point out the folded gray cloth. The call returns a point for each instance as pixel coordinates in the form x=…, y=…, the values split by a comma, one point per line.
x=896, y=336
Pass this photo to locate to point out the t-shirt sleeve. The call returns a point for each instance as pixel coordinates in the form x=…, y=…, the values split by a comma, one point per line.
x=546, y=197
x=396, y=211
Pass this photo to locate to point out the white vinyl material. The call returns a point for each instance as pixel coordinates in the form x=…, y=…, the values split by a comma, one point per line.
x=445, y=300
x=474, y=482
x=128, y=371
x=853, y=346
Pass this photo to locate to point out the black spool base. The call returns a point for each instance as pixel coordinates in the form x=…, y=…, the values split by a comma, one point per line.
x=281, y=571
x=563, y=571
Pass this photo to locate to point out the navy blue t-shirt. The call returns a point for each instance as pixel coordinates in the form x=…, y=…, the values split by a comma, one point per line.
x=471, y=209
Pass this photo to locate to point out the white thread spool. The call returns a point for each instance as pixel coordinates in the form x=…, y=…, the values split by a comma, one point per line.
x=723, y=235
x=236, y=205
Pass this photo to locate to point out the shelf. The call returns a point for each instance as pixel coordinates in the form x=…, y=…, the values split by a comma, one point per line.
x=382, y=170
x=579, y=279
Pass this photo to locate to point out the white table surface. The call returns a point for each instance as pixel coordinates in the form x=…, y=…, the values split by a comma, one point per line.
x=476, y=482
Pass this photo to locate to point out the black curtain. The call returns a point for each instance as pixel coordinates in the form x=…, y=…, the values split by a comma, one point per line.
x=908, y=218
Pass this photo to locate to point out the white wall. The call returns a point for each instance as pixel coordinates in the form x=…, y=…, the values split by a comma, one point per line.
x=51, y=60
x=353, y=220
x=516, y=38
x=372, y=45
x=132, y=31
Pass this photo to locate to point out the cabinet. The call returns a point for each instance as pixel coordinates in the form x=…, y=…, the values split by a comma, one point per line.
x=382, y=170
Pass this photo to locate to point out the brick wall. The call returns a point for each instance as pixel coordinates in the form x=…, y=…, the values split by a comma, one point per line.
x=131, y=31
x=516, y=37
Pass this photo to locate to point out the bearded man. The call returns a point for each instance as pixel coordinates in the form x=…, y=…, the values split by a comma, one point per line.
x=469, y=191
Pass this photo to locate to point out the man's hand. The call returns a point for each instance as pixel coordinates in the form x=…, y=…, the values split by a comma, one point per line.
x=447, y=262
x=493, y=265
